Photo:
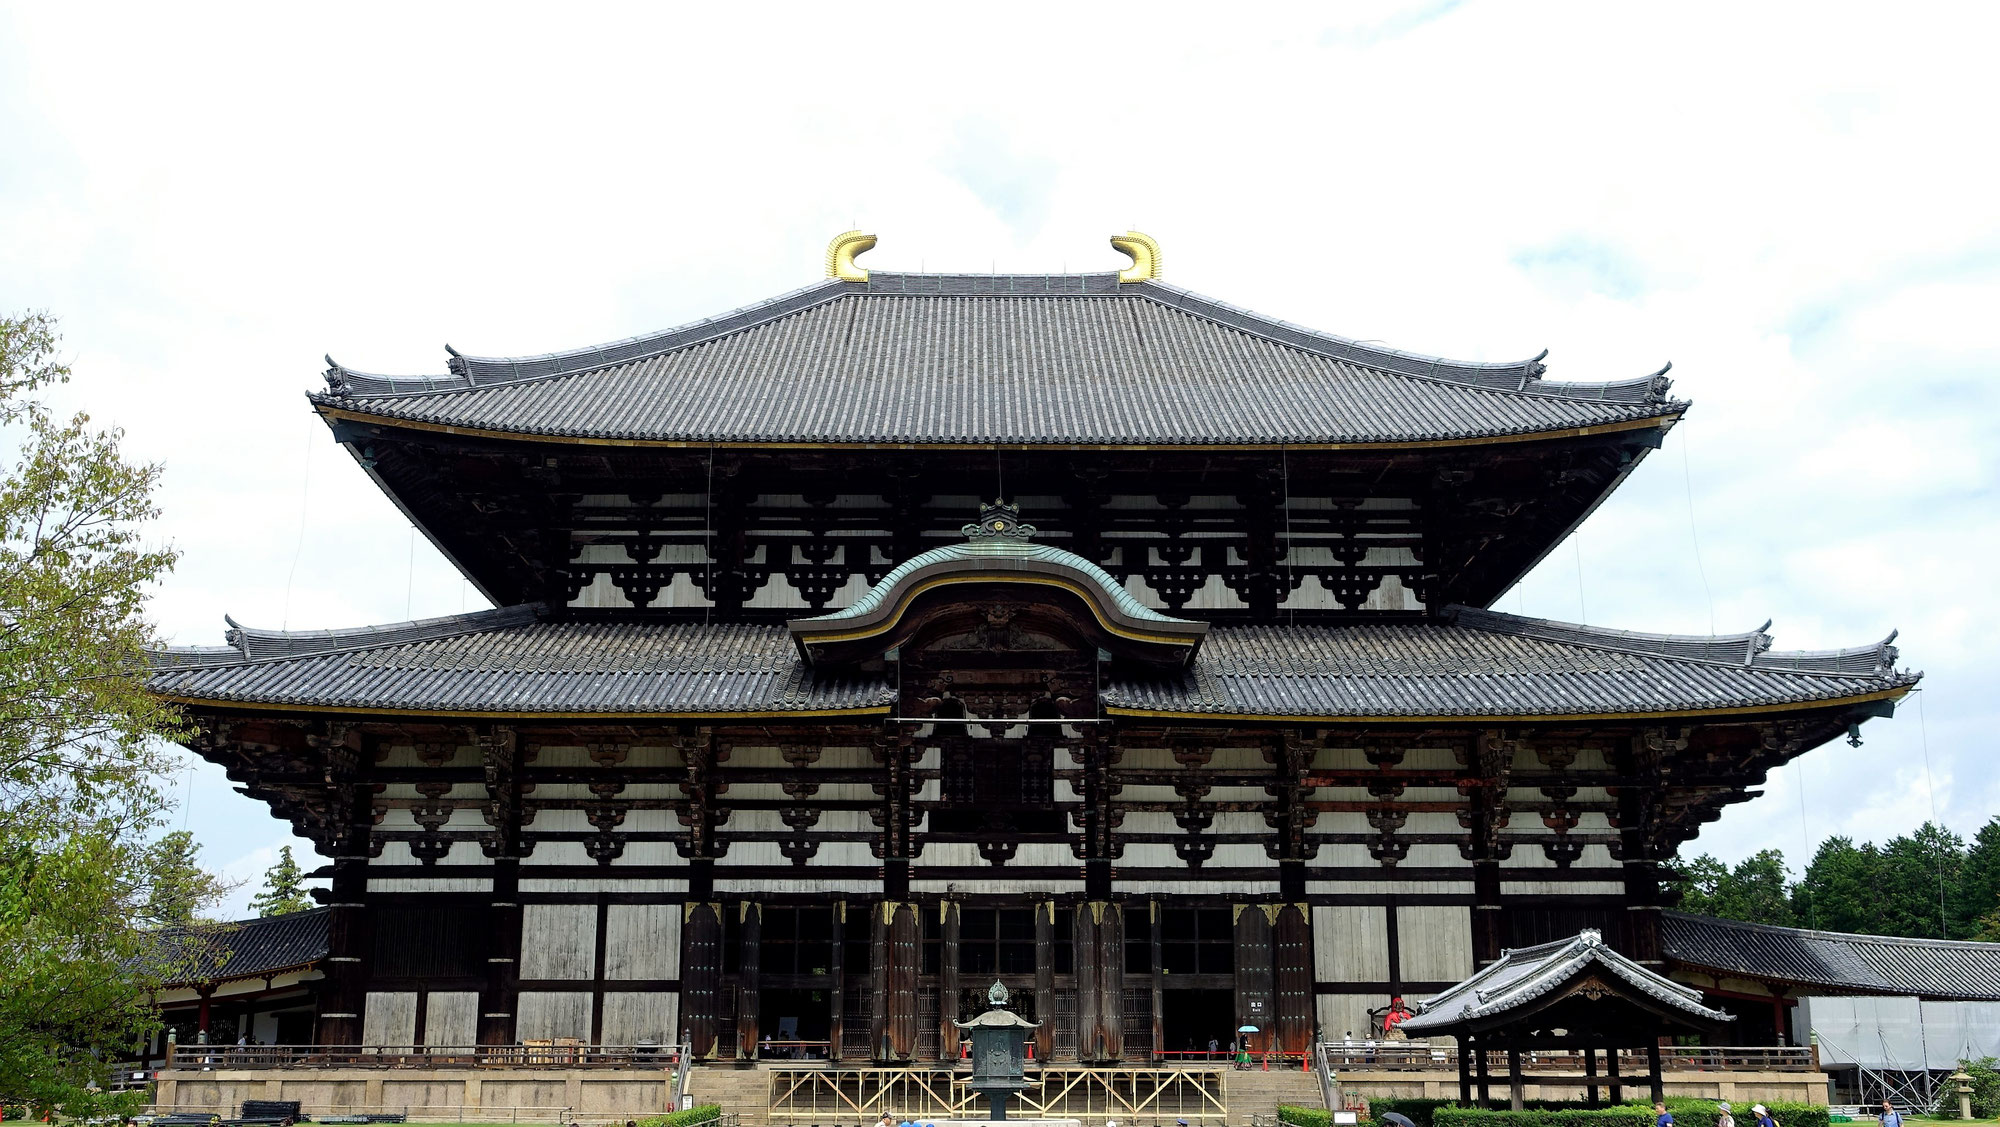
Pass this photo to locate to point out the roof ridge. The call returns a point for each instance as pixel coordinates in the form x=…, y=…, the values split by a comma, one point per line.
x=1517, y=377
x=250, y=644
x=1524, y=375
x=1750, y=649
x=1815, y=933
x=466, y=372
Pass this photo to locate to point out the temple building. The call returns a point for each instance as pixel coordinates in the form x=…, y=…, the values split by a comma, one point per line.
x=908, y=632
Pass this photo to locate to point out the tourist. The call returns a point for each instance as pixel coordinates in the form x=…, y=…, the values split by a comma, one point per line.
x=1763, y=1115
x=1722, y=1116
x=1662, y=1117
x=1890, y=1117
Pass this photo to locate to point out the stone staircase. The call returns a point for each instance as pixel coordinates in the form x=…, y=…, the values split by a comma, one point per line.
x=742, y=1092
x=1257, y=1092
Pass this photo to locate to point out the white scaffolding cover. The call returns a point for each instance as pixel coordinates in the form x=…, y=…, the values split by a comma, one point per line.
x=1900, y=1034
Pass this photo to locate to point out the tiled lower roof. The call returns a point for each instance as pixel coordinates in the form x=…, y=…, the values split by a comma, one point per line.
x=1488, y=664
x=1029, y=360
x=1870, y=964
x=208, y=953
x=1482, y=665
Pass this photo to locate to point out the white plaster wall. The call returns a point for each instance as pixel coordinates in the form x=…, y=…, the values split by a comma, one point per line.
x=633, y=1017
x=451, y=1019
x=641, y=941
x=540, y=1015
x=558, y=941
x=389, y=1018
x=1435, y=942
x=1350, y=943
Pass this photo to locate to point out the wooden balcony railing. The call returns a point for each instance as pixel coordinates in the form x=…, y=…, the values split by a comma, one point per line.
x=1343, y=1056
x=554, y=1053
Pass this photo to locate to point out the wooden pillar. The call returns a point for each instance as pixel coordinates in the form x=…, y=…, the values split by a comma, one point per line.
x=1099, y=954
x=1485, y=1080
x=503, y=956
x=201, y=1016
x=1160, y=1045
x=1045, y=979
x=897, y=949
x=1611, y=1075
x=948, y=987
x=348, y=939
x=1488, y=934
x=1294, y=979
x=1255, y=1001
x=1642, y=914
x=1516, y=1094
x=838, y=970
x=1658, y=1082
x=1465, y=1069
x=749, y=978
x=701, y=975
x=1590, y=1075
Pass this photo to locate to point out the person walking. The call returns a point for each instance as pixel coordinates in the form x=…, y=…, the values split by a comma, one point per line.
x=1890, y=1117
x=1763, y=1115
x=1662, y=1117
x=1722, y=1116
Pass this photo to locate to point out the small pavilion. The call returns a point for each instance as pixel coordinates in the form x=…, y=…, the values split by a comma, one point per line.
x=1554, y=1002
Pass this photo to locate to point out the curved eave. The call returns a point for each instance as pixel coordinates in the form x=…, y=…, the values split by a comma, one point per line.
x=327, y=407
x=348, y=709
x=1889, y=694
x=190, y=984
x=1180, y=638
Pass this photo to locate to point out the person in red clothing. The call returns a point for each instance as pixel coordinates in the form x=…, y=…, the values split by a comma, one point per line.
x=1394, y=1018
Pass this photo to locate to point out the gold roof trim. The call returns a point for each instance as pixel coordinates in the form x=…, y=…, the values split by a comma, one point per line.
x=841, y=253
x=1145, y=253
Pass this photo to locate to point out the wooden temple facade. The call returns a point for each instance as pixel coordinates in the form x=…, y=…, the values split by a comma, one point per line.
x=785, y=728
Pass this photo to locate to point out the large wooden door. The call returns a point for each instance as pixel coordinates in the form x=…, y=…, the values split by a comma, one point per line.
x=1100, y=982
x=1294, y=976
x=701, y=975
x=1256, y=1003
x=897, y=957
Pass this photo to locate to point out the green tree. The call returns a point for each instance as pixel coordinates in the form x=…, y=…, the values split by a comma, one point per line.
x=176, y=885
x=1976, y=898
x=1838, y=891
x=1757, y=890
x=1919, y=871
x=284, y=888
x=1695, y=881
x=83, y=868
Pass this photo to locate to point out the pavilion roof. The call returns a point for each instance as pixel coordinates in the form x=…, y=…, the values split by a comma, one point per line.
x=1869, y=964
x=1031, y=360
x=1478, y=665
x=1520, y=980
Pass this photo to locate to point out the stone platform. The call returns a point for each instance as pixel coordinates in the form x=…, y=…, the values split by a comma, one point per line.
x=474, y=1095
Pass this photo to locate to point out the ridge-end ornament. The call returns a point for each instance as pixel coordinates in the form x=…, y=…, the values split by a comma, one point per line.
x=841, y=253
x=1145, y=254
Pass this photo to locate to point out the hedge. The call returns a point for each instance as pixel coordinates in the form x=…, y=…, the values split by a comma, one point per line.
x=1703, y=1113
x=1624, y=1115
x=1688, y=1112
x=702, y=1113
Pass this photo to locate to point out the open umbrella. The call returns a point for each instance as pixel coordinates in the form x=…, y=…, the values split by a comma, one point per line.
x=1246, y=1029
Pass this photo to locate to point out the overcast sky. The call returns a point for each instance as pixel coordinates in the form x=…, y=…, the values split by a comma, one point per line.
x=1795, y=205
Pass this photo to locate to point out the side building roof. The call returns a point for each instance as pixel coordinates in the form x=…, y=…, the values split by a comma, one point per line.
x=1482, y=665
x=1842, y=961
x=1030, y=360
x=1520, y=981
x=204, y=954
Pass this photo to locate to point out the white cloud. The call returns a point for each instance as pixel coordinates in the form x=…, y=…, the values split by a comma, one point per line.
x=1789, y=208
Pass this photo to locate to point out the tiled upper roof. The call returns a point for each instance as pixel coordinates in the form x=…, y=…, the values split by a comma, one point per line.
x=1522, y=977
x=1483, y=664
x=1016, y=359
x=207, y=953
x=1871, y=964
